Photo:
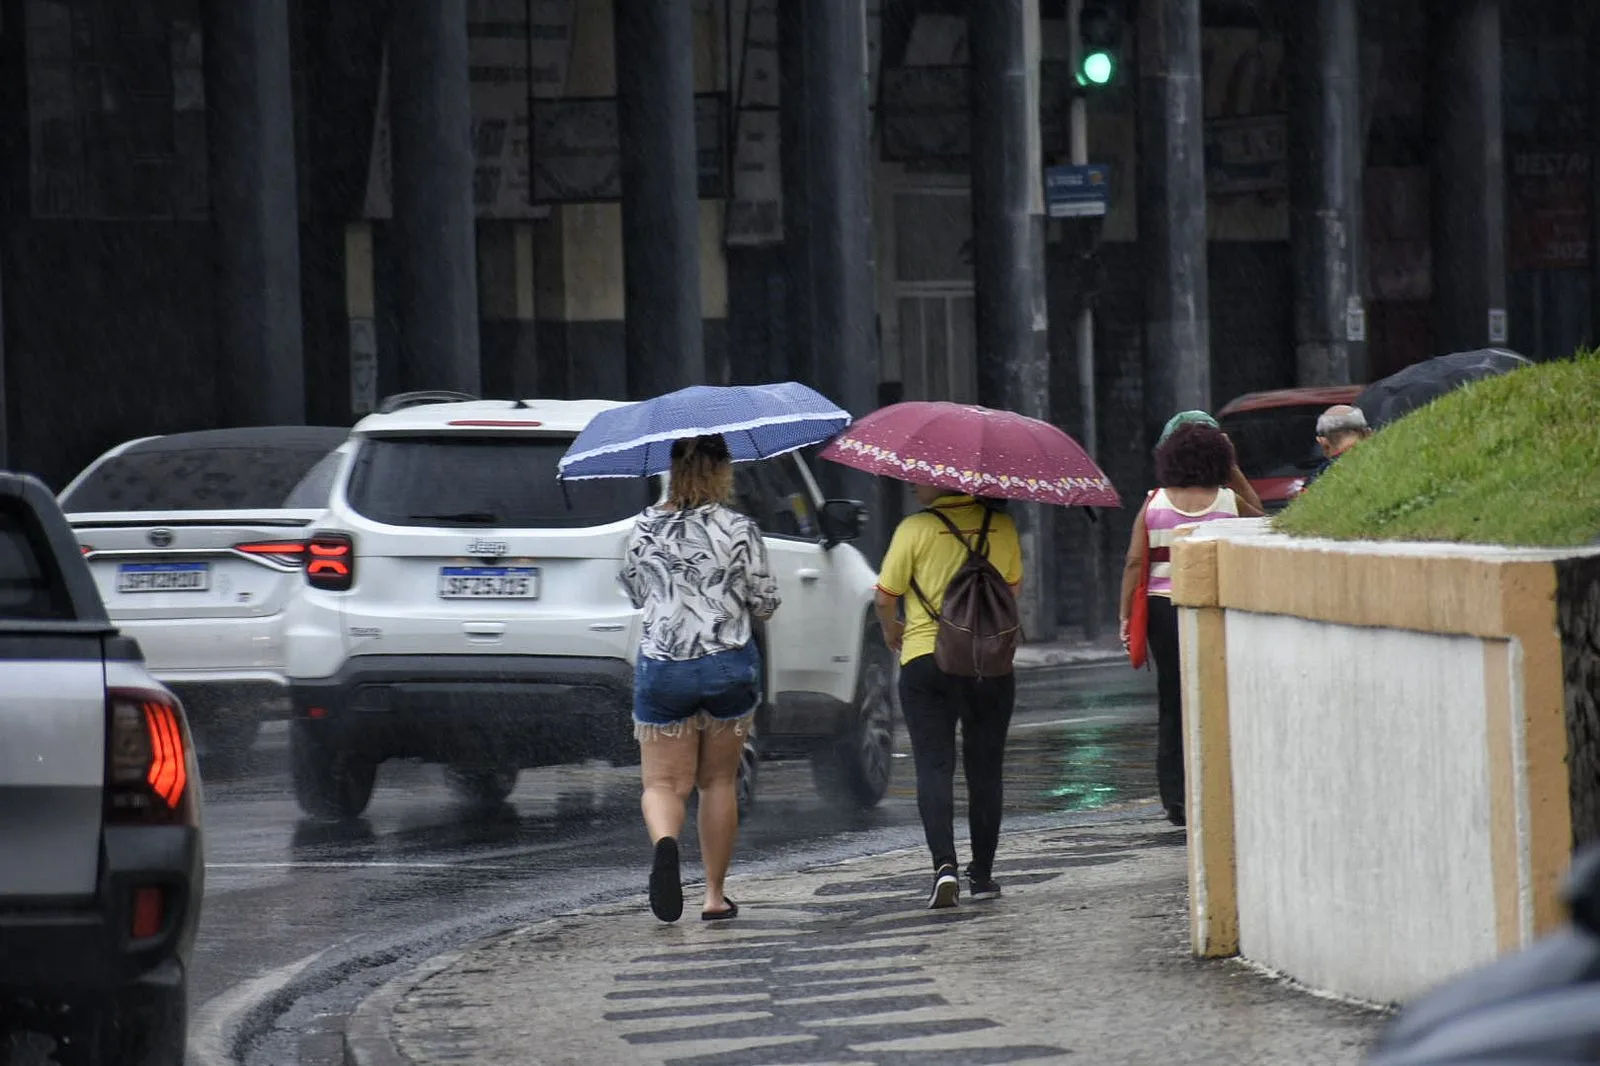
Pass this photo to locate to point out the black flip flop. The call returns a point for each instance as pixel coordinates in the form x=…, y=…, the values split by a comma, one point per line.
x=666, y=886
x=721, y=916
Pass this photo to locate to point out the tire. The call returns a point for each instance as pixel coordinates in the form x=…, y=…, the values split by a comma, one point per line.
x=328, y=782
x=481, y=787
x=853, y=771
x=142, y=1029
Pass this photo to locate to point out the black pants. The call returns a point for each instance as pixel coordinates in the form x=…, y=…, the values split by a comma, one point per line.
x=1163, y=642
x=933, y=703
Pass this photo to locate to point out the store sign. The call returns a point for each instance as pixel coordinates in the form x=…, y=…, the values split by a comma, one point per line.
x=517, y=50
x=1549, y=197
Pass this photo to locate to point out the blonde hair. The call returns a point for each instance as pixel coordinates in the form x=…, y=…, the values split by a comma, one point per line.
x=702, y=473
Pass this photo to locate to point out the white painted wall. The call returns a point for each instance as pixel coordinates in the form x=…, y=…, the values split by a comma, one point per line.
x=1361, y=799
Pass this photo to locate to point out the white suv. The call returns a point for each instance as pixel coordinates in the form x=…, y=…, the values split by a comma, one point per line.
x=463, y=608
x=196, y=541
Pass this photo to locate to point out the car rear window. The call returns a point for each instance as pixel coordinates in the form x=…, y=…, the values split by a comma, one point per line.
x=31, y=587
x=509, y=482
x=194, y=479
x=1275, y=441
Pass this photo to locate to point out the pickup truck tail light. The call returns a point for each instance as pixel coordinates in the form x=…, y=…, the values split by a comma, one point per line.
x=331, y=561
x=147, y=760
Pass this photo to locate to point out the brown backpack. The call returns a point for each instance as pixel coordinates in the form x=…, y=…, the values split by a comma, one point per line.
x=979, y=623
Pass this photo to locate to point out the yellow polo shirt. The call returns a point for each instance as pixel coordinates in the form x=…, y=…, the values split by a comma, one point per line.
x=924, y=548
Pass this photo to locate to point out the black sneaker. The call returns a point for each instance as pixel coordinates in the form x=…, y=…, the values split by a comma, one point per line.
x=982, y=887
x=946, y=889
x=1175, y=815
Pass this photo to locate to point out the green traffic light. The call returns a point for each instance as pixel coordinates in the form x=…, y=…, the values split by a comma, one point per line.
x=1098, y=68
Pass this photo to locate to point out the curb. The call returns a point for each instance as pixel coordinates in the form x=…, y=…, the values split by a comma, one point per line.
x=367, y=1037
x=1048, y=657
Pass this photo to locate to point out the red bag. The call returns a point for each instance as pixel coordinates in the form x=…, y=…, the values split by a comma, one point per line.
x=1139, y=614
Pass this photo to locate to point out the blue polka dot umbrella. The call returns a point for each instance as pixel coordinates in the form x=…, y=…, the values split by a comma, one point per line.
x=757, y=421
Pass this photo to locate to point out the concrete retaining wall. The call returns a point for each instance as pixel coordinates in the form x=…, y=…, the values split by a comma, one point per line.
x=1378, y=740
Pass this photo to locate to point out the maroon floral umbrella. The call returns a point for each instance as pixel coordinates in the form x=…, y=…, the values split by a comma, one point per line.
x=976, y=450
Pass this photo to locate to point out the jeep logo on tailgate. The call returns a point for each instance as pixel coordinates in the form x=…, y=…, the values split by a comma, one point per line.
x=490, y=548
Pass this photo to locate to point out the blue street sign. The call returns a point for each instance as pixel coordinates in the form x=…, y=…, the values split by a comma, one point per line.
x=1077, y=192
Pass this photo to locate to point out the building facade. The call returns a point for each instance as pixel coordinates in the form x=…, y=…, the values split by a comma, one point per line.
x=221, y=212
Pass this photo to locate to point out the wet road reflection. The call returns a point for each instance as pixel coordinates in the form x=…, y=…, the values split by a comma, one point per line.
x=410, y=876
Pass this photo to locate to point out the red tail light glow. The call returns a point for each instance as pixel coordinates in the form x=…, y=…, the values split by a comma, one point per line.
x=149, y=913
x=147, y=772
x=282, y=552
x=331, y=562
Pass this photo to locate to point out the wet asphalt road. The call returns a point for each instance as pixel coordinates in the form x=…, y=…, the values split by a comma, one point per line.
x=351, y=905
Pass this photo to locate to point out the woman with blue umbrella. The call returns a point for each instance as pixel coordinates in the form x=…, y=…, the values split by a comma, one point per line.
x=698, y=570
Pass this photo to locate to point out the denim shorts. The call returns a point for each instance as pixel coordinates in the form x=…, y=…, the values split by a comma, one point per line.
x=722, y=687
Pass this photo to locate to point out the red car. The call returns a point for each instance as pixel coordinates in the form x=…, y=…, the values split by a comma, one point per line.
x=1275, y=435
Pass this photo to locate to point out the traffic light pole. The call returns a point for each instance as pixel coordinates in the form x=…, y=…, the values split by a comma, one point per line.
x=1088, y=424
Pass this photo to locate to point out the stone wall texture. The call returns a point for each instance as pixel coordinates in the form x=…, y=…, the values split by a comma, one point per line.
x=1578, y=611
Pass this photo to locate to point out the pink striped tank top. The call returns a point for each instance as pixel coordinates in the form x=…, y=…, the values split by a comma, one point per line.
x=1162, y=519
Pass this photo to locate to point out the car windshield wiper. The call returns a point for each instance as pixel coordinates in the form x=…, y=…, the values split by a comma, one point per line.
x=475, y=518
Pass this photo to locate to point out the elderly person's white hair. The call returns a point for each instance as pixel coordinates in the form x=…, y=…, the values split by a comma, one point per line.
x=1342, y=419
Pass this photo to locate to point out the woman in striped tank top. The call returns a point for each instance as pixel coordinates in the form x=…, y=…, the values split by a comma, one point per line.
x=1194, y=467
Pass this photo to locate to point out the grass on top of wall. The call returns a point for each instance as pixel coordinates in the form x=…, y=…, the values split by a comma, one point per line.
x=1510, y=460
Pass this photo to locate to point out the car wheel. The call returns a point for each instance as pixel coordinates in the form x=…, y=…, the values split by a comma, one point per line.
x=328, y=782
x=853, y=770
x=142, y=1030
x=479, y=786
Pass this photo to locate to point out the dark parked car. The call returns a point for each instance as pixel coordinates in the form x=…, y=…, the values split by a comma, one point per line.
x=1275, y=434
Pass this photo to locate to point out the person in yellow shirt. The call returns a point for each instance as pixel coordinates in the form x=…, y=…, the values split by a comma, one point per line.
x=926, y=552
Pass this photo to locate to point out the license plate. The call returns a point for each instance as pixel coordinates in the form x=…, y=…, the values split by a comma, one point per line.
x=163, y=577
x=489, y=583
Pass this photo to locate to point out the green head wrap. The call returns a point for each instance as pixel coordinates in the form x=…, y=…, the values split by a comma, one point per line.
x=1185, y=418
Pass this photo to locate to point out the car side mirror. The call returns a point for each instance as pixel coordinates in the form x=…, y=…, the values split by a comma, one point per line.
x=843, y=521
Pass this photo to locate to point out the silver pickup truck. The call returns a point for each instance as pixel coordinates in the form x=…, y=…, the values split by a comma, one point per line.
x=101, y=875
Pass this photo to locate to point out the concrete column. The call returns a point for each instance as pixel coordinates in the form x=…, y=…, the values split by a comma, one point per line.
x=798, y=357
x=1325, y=167
x=435, y=264
x=506, y=310
x=255, y=211
x=1172, y=212
x=1008, y=254
x=1469, y=215
x=838, y=202
x=663, y=331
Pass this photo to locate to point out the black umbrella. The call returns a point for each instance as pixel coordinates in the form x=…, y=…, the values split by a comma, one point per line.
x=1421, y=383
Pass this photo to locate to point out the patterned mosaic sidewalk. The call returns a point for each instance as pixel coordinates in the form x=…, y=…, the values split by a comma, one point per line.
x=1084, y=958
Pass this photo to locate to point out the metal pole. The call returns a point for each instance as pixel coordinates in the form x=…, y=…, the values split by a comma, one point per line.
x=1172, y=212
x=1469, y=252
x=435, y=238
x=255, y=211
x=1008, y=254
x=1325, y=190
x=663, y=332
x=1088, y=423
